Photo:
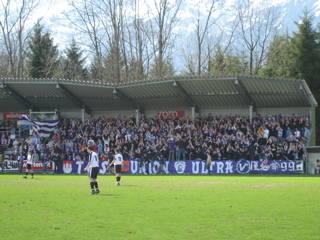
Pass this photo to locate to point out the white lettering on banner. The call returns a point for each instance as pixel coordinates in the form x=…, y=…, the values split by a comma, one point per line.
x=79, y=163
x=284, y=166
x=220, y=167
x=134, y=167
x=185, y=167
x=67, y=167
x=228, y=168
x=150, y=168
x=243, y=166
x=195, y=167
x=166, y=167
x=299, y=165
x=274, y=165
x=180, y=166
x=104, y=166
x=11, y=165
x=204, y=169
x=264, y=167
x=291, y=166
x=155, y=168
x=38, y=164
x=166, y=114
x=254, y=165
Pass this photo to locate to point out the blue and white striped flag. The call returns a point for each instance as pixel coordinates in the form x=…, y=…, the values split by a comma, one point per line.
x=43, y=128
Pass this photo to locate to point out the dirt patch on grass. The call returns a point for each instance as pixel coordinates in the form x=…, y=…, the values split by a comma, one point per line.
x=270, y=185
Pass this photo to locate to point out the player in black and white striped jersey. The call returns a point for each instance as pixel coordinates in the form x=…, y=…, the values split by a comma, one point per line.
x=117, y=162
x=93, y=170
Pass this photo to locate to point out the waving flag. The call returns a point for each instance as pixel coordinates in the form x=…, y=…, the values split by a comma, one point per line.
x=43, y=128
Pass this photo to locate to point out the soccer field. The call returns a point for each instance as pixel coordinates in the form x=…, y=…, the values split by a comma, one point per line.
x=160, y=207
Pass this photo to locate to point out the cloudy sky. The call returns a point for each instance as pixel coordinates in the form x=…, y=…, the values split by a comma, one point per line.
x=52, y=13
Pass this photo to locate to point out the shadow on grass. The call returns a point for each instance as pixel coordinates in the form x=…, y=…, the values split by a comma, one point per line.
x=109, y=195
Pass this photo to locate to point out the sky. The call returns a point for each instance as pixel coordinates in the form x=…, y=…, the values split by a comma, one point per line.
x=52, y=13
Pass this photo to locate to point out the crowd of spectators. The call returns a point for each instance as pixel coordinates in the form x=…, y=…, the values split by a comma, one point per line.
x=222, y=137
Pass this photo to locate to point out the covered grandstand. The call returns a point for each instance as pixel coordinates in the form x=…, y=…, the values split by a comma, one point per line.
x=193, y=95
x=197, y=98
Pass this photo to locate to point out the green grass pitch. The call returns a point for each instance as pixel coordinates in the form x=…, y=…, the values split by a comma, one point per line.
x=160, y=207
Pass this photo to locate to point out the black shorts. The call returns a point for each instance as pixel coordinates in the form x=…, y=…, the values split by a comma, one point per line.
x=29, y=166
x=93, y=172
x=117, y=168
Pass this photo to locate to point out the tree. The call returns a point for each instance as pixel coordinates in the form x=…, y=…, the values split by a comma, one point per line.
x=226, y=64
x=86, y=21
x=13, y=17
x=160, y=34
x=201, y=32
x=102, y=22
x=42, y=56
x=113, y=65
x=111, y=17
x=74, y=63
x=306, y=53
x=257, y=28
x=137, y=46
x=166, y=70
x=280, y=59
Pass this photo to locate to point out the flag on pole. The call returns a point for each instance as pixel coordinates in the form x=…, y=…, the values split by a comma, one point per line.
x=42, y=128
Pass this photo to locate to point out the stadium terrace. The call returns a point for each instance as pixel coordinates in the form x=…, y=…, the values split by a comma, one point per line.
x=220, y=118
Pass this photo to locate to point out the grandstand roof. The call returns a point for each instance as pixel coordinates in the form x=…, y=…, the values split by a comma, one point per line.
x=169, y=93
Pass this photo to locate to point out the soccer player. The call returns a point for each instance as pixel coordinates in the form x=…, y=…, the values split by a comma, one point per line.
x=29, y=165
x=93, y=170
x=117, y=161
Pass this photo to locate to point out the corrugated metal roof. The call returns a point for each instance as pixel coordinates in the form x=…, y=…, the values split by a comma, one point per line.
x=202, y=92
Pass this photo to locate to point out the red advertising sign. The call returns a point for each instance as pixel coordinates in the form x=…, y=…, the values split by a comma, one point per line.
x=12, y=116
x=38, y=166
x=171, y=114
x=126, y=166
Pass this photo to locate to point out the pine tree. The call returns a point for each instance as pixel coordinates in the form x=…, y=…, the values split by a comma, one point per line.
x=74, y=63
x=136, y=70
x=306, y=53
x=42, y=56
x=113, y=65
x=226, y=64
x=280, y=59
x=161, y=69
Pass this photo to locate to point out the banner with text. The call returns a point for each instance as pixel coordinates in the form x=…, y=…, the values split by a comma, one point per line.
x=14, y=166
x=196, y=167
x=39, y=166
x=171, y=114
x=12, y=116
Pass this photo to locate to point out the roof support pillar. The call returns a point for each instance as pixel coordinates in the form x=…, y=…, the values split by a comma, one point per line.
x=242, y=89
x=250, y=113
x=313, y=122
x=193, y=110
x=137, y=117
